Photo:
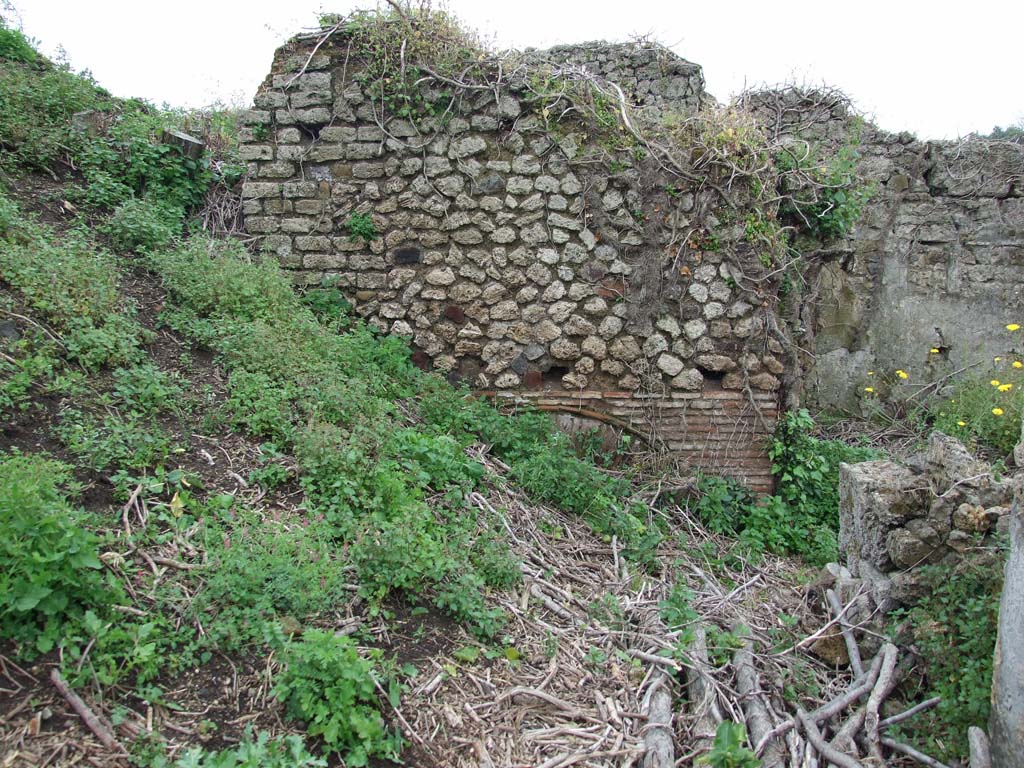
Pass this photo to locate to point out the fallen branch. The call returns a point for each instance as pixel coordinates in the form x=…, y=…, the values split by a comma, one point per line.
x=826, y=750
x=926, y=704
x=650, y=658
x=831, y=708
x=543, y=696
x=759, y=726
x=703, y=701
x=95, y=723
x=844, y=740
x=909, y=751
x=883, y=686
x=658, y=735
x=178, y=565
x=981, y=755
x=851, y=644
x=812, y=637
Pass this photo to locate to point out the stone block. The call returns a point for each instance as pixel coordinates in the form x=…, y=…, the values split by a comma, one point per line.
x=876, y=497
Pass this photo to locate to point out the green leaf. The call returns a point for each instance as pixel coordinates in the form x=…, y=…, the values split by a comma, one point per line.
x=86, y=559
x=31, y=596
x=468, y=654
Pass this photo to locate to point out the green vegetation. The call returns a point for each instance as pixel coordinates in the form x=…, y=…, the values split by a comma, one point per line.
x=380, y=460
x=140, y=224
x=954, y=631
x=261, y=752
x=37, y=102
x=259, y=578
x=763, y=231
x=73, y=285
x=328, y=397
x=807, y=472
x=981, y=405
x=14, y=46
x=328, y=685
x=802, y=517
x=50, y=572
x=728, y=751
x=822, y=196
x=401, y=46
x=360, y=225
x=116, y=145
x=545, y=463
x=1013, y=133
x=984, y=410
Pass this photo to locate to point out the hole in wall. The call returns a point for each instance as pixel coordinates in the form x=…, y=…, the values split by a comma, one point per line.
x=712, y=379
x=555, y=373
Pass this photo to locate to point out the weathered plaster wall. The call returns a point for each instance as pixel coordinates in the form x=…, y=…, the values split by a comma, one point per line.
x=521, y=255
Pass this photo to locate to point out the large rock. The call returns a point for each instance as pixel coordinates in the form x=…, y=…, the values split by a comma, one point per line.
x=875, y=498
x=949, y=463
x=895, y=518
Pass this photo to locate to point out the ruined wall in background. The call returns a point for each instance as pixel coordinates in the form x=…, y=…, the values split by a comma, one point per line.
x=525, y=254
x=521, y=253
x=936, y=260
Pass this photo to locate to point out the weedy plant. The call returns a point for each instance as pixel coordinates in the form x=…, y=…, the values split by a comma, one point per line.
x=985, y=410
x=73, y=285
x=727, y=750
x=825, y=197
x=982, y=407
x=14, y=46
x=260, y=751
x=143, y=224
x=50, y=572
x=329, y=686
x=802, y=517
x=39, y=100
x=403, y=49
x=360, y=225
x=954, y=627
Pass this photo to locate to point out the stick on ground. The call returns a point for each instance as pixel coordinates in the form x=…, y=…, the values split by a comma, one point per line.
x=95, y=723
x=759, y=726
x=701, y=691
x=824, y=748
x=851, y=645
x=658, y=737
x=909, y=751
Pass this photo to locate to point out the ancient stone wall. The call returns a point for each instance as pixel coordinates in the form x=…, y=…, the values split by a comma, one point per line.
x=658, y=82
x=941, y=506
x=935, y=262
x=520, y=250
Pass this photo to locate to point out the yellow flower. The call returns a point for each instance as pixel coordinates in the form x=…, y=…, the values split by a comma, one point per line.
x=1005, y=387
x=995, y=382
x=869, y=389
x=903, y=374
x=871, y=373
x=997, y=411
x=1018, y=364
x=996, y=359
x=961, y=423
x=934, y=350
x=1013, y=327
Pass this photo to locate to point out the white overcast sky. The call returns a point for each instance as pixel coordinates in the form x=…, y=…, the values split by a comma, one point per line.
x=938, y=68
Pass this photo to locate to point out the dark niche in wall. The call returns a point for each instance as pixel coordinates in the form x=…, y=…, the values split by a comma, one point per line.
x=408, y=255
